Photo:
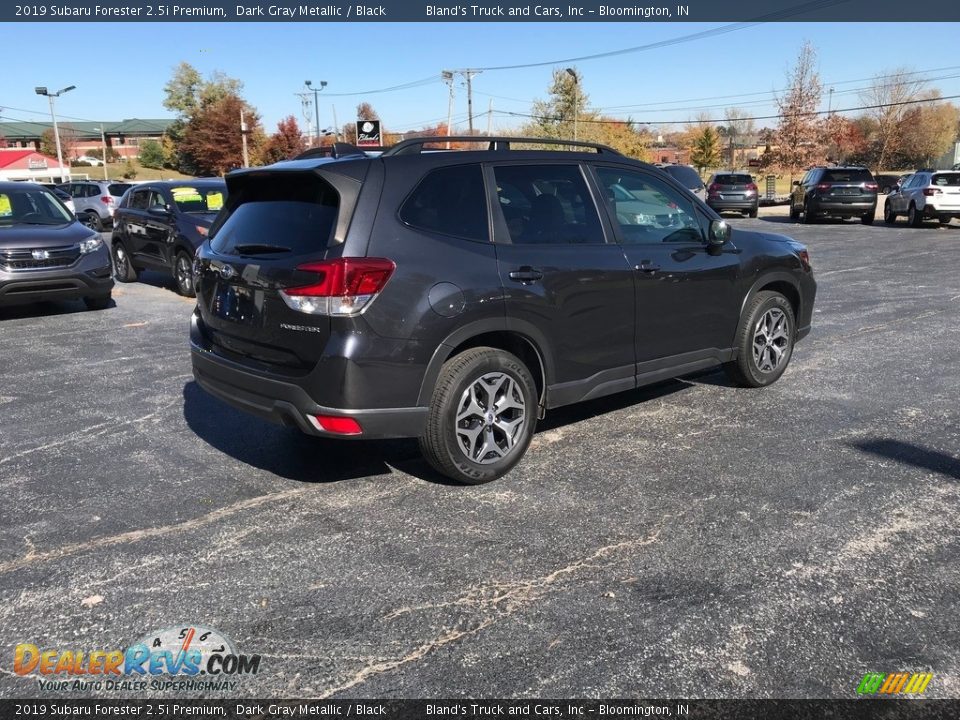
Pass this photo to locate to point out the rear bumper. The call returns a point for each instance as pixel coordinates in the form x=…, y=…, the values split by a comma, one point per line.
x=932, y=211
x=286, y=403
x=845, y=209
x=91, y=276
x=734, y=204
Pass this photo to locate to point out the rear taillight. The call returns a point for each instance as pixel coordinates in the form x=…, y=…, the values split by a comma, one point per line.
x=752, y=186
x=871, y=186
x=344, y=286
x=931, y=191
x=823, y=187
x=107, y=200
x=713, y=188
x=336, y=424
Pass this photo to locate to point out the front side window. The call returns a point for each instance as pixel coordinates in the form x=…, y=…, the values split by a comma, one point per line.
x=646, y=209
x=450, y=201
x=139, y=199
x=547, y=204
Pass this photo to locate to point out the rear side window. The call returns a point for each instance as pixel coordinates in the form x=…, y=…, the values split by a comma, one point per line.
x=732, y=179
x=847, y=176
x=118, y=189
x=684, y=175
x=291, y=214
x=450, y=201
x=946, y=179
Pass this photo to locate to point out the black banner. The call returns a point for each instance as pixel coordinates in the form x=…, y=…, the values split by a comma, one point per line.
x=638, y=11
x=867, y=709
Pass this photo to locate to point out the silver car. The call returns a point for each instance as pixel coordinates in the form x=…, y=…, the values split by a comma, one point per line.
x=925, y=195
x=95, y=200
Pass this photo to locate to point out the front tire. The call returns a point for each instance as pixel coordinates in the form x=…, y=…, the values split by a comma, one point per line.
x=764, y=343
x=867, y=218
x=183, y=274
x=794, y=213
x=123, y=269
x=889, y=216
x=914, y=218
x=482, y=416
x=808, y=217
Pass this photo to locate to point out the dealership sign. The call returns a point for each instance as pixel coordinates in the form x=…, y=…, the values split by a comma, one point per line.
x=368, y=133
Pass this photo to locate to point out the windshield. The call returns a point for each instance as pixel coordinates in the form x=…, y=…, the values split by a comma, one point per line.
x=686, y=176
x=199, y=199
x=31, y=206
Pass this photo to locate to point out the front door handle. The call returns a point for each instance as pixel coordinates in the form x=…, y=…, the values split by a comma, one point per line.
x=646, y=266
x=526, y=274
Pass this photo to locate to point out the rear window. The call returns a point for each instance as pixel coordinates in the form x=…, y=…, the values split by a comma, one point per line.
x=946, y=179
x=686, y=176
x=118, y=189
x=847, y=176
x=732, y=179
x=451, y=201
x=287, y=215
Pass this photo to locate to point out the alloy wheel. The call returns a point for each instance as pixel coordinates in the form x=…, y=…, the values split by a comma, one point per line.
x=770, y=340
x=184, y=274
x=491, y=416
x=120, y=262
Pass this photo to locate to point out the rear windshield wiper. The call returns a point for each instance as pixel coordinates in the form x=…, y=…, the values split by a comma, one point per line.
x=259, y=249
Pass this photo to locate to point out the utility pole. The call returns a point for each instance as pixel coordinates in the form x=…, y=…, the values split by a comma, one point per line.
x=56, y=131
x=447, y=76
x=490, y=118
x=243, y=136
x=576, y=99
x=468, y=74
x=316, y=103
x=336, y=128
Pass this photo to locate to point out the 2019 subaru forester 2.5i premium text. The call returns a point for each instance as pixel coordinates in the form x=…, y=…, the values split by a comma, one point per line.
x=457, y=296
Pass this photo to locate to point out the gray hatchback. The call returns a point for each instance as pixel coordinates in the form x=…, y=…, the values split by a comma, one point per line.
x=733, y=191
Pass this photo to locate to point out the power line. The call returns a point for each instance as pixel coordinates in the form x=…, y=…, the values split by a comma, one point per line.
x=403, y=86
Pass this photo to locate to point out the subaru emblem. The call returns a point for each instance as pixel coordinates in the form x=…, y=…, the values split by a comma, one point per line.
x=227, y=272
x=40, y=254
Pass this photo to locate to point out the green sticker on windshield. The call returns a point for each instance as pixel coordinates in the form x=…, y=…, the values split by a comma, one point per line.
x=214, y=201
x=186, y=194
x=6, y=210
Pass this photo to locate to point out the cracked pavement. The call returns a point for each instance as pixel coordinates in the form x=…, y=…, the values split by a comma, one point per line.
x=686, y=540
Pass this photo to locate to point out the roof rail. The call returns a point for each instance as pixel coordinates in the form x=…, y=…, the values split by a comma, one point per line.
x=337, y=150
x=415, y=145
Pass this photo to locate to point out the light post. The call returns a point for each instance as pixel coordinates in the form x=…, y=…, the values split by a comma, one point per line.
x=576, y=99
x=56, y=131
x=103, y=141
x=316, y=103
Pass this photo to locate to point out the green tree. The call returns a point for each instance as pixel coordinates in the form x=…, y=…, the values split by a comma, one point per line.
x=151, y=154
x=48, y=143
x=706, y=149
x=566, y=101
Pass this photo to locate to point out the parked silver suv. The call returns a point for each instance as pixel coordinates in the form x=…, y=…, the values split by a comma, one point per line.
x=95, y=201
x=925, y=195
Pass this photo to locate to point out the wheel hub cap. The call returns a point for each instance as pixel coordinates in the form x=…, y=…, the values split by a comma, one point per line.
x=491, y=417
x=770, y=340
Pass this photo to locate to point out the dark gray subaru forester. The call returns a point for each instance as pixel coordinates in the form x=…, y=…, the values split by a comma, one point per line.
x=457, y=296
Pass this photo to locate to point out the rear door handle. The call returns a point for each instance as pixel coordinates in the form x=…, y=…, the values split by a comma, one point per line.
x=647, y=267
x=526, y=274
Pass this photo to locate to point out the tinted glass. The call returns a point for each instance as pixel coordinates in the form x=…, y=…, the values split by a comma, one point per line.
x=139, y=199
x=199, y=199
x=547, y=204
x=946, y=179
x=732, y=179
x=847, y=176
x=31, y=206
x=646, y=209
x=290, y=215
x=451, y=201
x=118, y=189
x=684, y=175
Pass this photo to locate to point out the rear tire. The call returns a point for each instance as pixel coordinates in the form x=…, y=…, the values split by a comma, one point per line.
x=92, y=221
x=794, y=213
x=867, y=218
x=808, y=217
x=914, y=218
x=945, y=219
x=483, y=414
x=753, y=212
x=123, y=270
x=183, y=274
x=764, y=343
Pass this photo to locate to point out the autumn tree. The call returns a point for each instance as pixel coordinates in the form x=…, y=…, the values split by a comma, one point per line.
x=928, y=131
x=891, y=97
x=212, y=142
x=798, y=134
x=287, y=142
x=566, y=101
x=706, y=149
x=48, y=143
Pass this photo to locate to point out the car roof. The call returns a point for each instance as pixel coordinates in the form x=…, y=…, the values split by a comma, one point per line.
x=217, y=182
x=14, y=185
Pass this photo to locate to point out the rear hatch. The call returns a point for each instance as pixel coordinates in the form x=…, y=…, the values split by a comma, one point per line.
x=946, y=190
x=854, y=185
x=733, y=186
x=274, y=222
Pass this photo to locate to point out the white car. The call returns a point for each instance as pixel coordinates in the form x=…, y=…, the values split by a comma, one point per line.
x=90, y=160
x=925, y=195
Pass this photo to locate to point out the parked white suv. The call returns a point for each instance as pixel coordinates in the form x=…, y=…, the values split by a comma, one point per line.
x=925, y=195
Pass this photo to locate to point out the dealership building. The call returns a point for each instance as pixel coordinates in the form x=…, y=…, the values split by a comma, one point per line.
x=79, y=138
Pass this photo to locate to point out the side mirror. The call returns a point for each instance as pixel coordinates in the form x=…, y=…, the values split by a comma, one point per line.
x=796, y=183
x=719, y=232
x=158, y=211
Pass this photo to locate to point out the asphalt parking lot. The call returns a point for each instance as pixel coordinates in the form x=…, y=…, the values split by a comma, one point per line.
x=687, y=540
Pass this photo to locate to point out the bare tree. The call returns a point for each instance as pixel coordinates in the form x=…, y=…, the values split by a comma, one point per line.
x=798, y=134
x=739, y=129
x=891, y=96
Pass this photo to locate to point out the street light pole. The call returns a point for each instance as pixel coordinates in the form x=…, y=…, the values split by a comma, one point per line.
x=576, y=99
x=103, y=140
x=53, y=115
x=316, y=104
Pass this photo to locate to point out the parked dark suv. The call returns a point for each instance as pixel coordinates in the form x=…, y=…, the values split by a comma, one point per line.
x=458, y=296
x=159, y=225
x=841, y=192
x=731, y=190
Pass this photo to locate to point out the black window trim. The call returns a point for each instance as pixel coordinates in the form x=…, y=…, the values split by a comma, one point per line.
x=501, y=234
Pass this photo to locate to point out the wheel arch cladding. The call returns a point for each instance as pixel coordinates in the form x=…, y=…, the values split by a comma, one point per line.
x=778, y=282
